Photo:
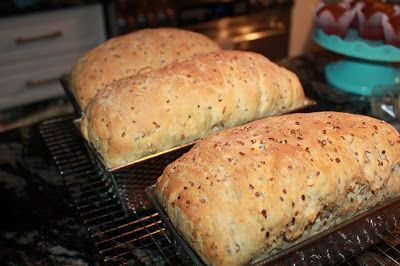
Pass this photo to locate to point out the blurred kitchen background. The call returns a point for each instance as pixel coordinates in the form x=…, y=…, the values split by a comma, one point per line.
x=41, y=39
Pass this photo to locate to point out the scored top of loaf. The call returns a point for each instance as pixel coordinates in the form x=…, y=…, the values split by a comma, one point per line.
x=129, y=54
x=185, y=101
x=242, y=192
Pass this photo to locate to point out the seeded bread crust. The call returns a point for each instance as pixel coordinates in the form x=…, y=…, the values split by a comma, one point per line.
x=185, y=101
x=129, y=54
x=247, y=192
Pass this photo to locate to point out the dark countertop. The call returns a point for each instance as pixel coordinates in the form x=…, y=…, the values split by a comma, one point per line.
x=39, y=224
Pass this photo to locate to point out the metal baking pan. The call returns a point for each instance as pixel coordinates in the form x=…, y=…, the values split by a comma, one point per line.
x=329, y=247
x=309, y=105
x=131, y=182
x=65, y=83
x=133, y=178
x=96, y=156
x=100, y=169
x=92, y=150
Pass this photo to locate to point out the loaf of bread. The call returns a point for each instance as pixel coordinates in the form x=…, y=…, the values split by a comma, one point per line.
x=185, y=101
x=129, y=54
x=245, y=193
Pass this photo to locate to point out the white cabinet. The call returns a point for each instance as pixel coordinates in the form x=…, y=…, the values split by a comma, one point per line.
x=37, y=49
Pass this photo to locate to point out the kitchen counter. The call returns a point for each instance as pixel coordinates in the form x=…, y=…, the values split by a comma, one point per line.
x=39, y=223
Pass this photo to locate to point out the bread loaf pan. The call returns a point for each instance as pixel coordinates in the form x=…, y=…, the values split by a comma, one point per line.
x=66, y=85
x=329, y=247
x=100, y=168
x=131, y=182
x=133, y=178
x=94, y=153
x=307, y=108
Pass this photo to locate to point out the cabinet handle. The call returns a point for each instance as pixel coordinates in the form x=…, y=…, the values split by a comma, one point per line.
x=51, y=35
x=30, y=84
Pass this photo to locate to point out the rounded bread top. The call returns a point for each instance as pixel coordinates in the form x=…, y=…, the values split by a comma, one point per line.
x=127, y=55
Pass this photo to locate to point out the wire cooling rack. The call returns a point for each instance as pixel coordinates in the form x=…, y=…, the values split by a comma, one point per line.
x=123, y=226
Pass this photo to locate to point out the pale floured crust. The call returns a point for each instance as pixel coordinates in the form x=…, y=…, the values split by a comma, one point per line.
x=185, y=101
x=252, y=190
x=132, y=53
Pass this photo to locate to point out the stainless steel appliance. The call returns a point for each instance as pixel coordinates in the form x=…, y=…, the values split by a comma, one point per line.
x=265, y=32
x=255, y=25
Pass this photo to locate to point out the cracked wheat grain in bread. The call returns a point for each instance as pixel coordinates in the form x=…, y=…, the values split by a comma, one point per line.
x=249, y=191
x=129, y=54
x=185, y=101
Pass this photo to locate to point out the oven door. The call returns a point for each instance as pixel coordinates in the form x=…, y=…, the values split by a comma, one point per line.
x=265, y=32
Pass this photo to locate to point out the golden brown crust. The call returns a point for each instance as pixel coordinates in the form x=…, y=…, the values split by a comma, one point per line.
x=250, y=190
x=132, y=53
x=185, y=101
